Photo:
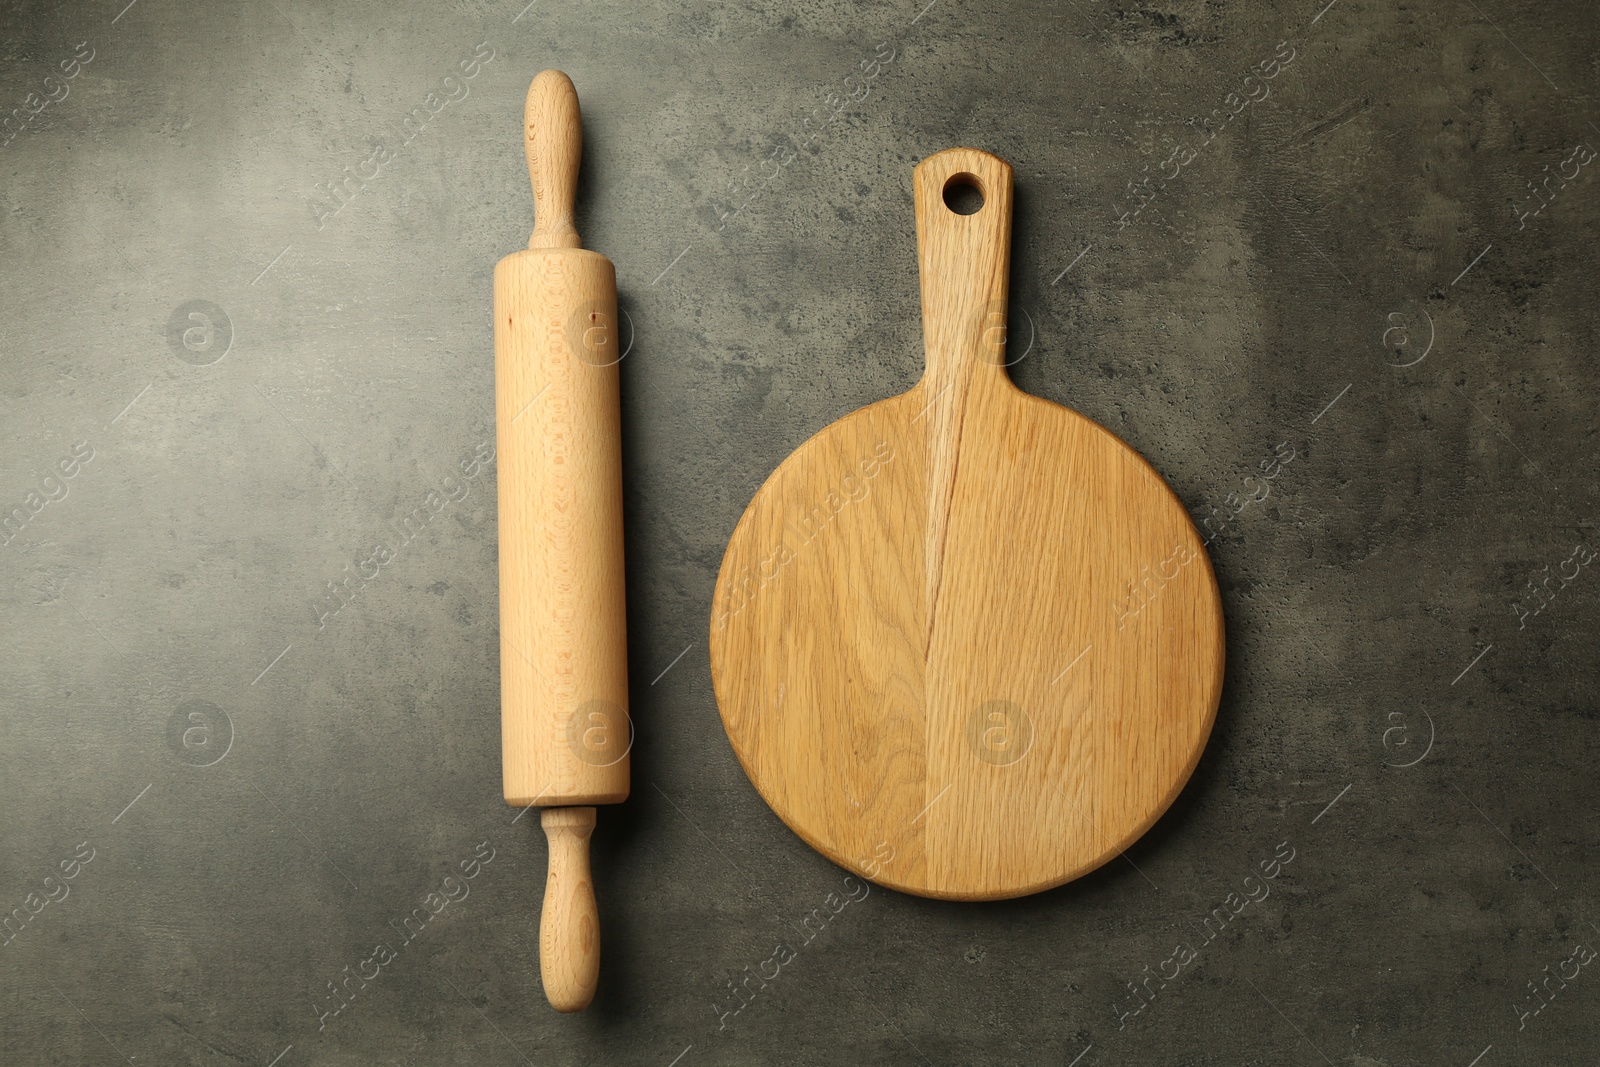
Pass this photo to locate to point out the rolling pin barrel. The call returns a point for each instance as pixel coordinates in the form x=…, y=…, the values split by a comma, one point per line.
x=565, y=731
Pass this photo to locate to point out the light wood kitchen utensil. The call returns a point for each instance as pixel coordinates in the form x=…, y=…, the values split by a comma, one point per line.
x=565, y=731
x=965, y=641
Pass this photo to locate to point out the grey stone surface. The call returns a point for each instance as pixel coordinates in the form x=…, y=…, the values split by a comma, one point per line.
x=265, y=788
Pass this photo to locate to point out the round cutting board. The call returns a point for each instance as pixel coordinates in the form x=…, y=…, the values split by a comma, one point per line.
x=966, y=642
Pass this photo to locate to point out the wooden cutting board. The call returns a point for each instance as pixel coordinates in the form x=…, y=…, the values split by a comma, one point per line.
x=965, y=641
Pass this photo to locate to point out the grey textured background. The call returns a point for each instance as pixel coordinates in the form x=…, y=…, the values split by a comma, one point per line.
x=1363, y=215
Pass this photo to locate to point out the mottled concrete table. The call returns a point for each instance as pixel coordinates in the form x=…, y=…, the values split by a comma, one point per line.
x=251, y=763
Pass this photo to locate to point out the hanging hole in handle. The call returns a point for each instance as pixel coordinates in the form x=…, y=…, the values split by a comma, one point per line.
x=963, y=194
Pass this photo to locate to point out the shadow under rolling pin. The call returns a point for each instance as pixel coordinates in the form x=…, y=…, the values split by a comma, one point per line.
x=564, y=727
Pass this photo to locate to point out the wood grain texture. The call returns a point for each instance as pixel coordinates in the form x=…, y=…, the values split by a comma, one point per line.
x=569, y=926
x=552, y=138
x=564, y=726
x=965, y=627
x=563, y=630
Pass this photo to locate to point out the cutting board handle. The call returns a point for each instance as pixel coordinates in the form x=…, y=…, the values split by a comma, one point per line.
x=965, y=263
x=553, y=139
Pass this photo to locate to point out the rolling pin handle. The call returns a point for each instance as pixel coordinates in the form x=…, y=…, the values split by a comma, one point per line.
x=569, y=929
x=553, y=139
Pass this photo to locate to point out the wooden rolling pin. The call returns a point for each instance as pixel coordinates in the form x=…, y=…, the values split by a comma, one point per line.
x=564, y=726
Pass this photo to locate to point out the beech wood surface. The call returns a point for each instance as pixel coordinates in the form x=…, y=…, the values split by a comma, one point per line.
x=569, y=927
x=565, y=731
